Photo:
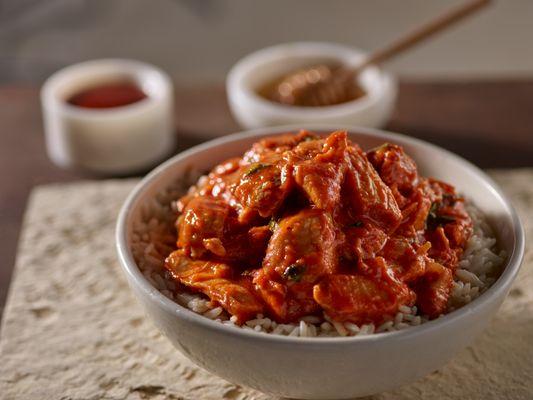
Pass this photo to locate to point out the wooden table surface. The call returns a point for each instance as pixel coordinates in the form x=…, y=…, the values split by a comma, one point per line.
x=489, y=123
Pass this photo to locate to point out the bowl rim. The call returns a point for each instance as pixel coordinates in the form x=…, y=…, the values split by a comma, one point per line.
x=130, y=268
x=235, y=85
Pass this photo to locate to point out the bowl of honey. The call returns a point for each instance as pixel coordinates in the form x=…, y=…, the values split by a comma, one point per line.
x=255, y=93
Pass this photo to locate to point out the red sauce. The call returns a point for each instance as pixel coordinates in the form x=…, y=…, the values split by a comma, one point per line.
x=303, y=224
x=108, y=96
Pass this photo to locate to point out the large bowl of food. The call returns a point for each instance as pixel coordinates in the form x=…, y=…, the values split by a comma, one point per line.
x=320, y=262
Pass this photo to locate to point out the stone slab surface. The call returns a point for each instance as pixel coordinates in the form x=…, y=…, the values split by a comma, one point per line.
x=72, y=330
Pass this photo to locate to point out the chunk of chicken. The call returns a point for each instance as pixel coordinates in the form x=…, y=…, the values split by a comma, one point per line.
x=302, y=250
x=362, y=241
x=415, y=212
x=370, y=197
x=362, y=298
x=321, y=175
x=214, y=184
x=448, y=225
x=276, y=144
x=433, y=289
x=451, y=214
x=203, y=218
x=215, y=281
x=406, y=259
x=263, y=186
x=306, y=238
x=395, y=167
x=209, y=228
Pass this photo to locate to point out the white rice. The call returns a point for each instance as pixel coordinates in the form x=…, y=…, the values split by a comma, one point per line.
x=154, y=238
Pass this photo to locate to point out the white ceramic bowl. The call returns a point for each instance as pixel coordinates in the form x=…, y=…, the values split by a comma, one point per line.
x=114, y=140
x=324, y=368
x=263, y=66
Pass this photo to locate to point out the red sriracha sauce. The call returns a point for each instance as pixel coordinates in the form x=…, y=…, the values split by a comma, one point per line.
x=108, y=96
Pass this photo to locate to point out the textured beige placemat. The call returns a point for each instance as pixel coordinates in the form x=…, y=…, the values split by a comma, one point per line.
x=72, y=330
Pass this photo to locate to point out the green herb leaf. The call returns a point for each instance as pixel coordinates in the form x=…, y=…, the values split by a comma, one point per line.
x=440, y=220
x=433, y=209
x=444, y=219
x=256, y=168
x=434, y=220
x=449, y=199
x=356, y=224
x=294, y=272
x=272, y=225
x=432, y=216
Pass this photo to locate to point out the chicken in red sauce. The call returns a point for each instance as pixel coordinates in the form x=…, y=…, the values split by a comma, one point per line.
x=306, y=225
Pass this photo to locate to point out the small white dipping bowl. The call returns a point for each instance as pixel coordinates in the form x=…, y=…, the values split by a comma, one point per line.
x=264, y=66
x=324, y=368
x=115, y=140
